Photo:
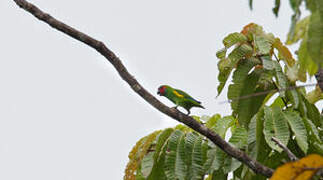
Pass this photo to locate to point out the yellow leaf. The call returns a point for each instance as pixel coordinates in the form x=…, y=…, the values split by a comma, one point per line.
x=315, y=95
x=303, y=169
x=137, y=154
x=284, y=52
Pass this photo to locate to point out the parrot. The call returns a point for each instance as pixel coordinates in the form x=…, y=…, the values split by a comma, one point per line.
x=179, y=98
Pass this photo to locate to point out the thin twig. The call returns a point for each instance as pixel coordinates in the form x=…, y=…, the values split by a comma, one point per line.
x=291, y=155
x=277, y=59
x=141, y=91
x=267, y=92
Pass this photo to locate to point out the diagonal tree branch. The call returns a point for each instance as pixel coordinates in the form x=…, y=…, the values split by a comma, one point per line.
x=134, y=84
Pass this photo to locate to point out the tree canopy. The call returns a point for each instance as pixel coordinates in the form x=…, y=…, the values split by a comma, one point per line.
x=267, y=107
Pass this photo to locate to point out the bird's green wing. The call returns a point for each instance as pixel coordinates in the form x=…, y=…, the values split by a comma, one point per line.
x=179, y=93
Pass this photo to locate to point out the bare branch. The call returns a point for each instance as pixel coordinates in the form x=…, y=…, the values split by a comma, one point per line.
x=291, y=155
x=141, y=91
x=319, y=78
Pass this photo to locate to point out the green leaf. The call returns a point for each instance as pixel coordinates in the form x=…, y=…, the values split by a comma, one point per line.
x=252, y=133
x=250, y=4
x=218, y=159
x=281, y=78
x=262, y=44
x=239, y=53
x=305, y=60
x=293, y=96
x=295, y=4
x=312, y=130
x=225, y=69
x=206, y=118
x=248, y=174
x=274, y=159
x=147, y=164
x=294, y=147
x=244, y=84
x=181, y=166
x=293, y=74
x=198, y=159
x=215, y=159
x=230, y=164
x=276, y=8
x=297, y=125
x=299, y=32
x=278, y=102
x=316, y=148
x=312, y=113
x=267, y=62
x=189, y=144
x=310, y=5
x=239, y=137
x=196, y=155
x=161, y=140
x=233, y=39
x=158, y=173
x=159, y=155
x=275, y=126
x=315, y=35
x=174, y=162
x=182, y=127
x=211, y=155
x=139, y=175
x=221, y=53
x=211, y=122
x=221, y=126
x=226, y=65
x=218, y=175
x=257, y=147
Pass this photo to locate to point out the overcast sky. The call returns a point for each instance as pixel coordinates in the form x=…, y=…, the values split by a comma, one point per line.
x=64, y=111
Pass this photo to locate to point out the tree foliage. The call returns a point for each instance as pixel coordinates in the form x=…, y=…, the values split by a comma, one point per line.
x=258, y=62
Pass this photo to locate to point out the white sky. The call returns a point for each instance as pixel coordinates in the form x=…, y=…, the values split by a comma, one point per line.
x=64, y=111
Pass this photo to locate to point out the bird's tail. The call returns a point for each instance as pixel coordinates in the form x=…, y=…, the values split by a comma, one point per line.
x=201, y=106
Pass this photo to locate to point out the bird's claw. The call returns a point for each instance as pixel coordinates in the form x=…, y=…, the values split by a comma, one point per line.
x=175, y=107
x=188, y=113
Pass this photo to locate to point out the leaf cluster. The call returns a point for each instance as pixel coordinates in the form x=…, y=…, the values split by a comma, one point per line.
x=308, y=30
x=257, y=62
x=181, y=153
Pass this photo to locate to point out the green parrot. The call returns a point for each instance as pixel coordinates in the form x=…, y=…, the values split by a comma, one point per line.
x=179, y=98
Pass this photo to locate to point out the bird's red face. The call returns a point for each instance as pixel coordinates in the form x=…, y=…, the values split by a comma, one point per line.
x=161, y=90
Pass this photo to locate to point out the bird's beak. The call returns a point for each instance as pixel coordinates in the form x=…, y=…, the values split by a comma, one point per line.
x=158, y=93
